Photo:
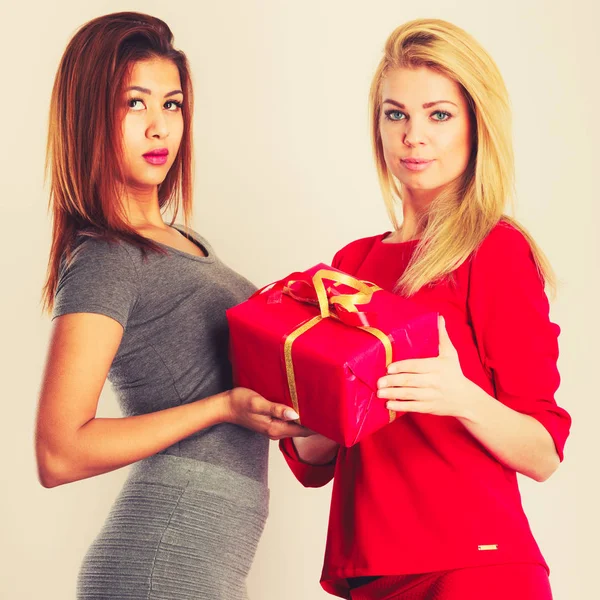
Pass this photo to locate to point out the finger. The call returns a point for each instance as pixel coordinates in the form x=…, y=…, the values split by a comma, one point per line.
x=277, y=411
x=408, y=407
x=309, y=432
x=302, y=431
x=405, y=380
x=446, y=347
x=406, y=393
x=279, y=430
x=413, y=365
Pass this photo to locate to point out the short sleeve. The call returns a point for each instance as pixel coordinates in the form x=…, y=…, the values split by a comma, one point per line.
x=100, y=278
x=518, y=343
x=308, y=475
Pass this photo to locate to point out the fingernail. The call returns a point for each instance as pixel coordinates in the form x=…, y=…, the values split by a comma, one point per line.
x=381, y=383
x=291, y=414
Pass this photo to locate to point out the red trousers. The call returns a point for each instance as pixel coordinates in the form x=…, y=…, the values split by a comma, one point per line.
x=496, y=582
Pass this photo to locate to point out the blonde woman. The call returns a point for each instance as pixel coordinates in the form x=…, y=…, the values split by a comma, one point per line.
x=429, y=507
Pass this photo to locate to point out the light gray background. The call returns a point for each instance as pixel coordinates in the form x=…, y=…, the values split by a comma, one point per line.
x=284, y=179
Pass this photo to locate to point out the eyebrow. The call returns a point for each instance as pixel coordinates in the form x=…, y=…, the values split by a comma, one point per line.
x=426, y=105
x=149, y=92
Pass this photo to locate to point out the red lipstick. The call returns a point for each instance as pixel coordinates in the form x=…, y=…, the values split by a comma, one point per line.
x=157, y=156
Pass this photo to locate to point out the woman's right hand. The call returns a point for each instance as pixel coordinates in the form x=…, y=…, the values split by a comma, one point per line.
x=248, y=409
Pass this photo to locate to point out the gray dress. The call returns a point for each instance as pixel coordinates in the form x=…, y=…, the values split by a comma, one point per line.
x=187, y=521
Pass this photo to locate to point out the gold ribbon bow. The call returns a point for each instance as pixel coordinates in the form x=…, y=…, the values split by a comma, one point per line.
x=349, y=302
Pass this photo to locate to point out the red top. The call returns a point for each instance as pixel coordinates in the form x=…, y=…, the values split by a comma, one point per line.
x=422, y=494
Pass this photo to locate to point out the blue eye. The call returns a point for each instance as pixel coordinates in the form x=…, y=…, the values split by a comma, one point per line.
x=444, y=114
x=394, y=115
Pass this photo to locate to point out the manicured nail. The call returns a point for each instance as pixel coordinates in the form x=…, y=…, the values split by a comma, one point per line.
x=290, y=414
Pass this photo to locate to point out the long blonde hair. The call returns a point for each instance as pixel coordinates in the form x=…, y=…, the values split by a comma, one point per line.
x=465, y=212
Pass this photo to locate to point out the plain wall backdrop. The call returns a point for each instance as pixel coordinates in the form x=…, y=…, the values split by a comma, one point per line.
x=284, y=178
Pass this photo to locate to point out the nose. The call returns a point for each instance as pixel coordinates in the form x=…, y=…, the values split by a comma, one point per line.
x=414, y=133
x=158, y=127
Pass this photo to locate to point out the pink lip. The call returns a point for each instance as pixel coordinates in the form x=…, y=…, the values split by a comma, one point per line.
x=416, y=164
x=157, y=157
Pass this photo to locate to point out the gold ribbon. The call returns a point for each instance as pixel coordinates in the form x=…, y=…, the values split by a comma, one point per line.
x=349, y=302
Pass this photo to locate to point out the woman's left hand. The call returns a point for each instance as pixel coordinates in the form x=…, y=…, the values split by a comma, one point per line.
x=433, y=386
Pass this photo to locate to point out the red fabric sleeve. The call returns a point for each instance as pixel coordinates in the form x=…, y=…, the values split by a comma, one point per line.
x=337, y=259
x=308, y=475
x=517, y=342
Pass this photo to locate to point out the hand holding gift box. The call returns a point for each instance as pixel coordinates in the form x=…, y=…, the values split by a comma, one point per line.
x=319, y=340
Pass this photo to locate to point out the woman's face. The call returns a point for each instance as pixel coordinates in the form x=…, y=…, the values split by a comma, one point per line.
x=425, y=128
x=152, y=123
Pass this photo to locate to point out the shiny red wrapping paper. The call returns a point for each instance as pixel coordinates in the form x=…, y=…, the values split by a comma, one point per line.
x=319, y=340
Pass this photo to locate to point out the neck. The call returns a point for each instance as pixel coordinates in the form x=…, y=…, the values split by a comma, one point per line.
x=415, y=205
x=142, y=208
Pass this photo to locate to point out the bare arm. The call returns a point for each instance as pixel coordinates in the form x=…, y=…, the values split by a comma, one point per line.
x=72, y=444
x=516, y=440
x=316, y=449
x=437, y=386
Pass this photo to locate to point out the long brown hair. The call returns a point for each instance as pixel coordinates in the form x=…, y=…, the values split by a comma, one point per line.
x=84, y=149
x=467, y=209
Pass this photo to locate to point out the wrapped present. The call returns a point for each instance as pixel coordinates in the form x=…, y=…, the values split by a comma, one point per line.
x=319, y=340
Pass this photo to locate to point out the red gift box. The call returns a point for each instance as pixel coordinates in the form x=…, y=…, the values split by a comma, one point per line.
x=319, y=340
